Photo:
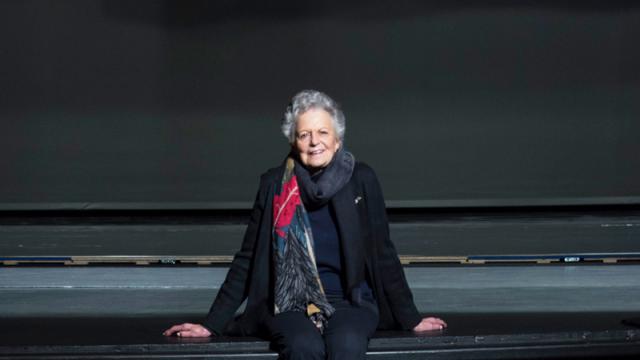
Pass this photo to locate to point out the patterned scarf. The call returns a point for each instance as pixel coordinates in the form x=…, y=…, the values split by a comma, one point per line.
x=297, y=285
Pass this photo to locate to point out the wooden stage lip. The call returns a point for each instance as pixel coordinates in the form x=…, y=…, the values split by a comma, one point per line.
x=541, y=336
x=604, y=344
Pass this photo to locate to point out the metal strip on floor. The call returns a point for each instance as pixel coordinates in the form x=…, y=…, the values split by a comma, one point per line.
x=610, y=258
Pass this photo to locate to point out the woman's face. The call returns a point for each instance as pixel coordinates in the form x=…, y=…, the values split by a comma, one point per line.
x=316, y=140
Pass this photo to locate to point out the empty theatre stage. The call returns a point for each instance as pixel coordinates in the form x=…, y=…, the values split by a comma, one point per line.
x=493, y=311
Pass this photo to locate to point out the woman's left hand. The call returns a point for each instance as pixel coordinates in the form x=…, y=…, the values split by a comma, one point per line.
x=430, y=323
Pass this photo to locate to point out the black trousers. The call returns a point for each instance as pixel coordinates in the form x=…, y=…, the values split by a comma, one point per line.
x=346, y=336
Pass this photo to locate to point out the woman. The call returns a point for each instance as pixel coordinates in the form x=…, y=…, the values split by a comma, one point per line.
x=317, y=267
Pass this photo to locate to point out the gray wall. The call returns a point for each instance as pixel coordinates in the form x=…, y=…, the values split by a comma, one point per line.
x=176, y=104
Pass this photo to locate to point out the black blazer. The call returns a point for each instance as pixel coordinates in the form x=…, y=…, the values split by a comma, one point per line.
x=367, y=250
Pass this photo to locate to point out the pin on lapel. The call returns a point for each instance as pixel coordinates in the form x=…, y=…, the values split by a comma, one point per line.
x=357, y=200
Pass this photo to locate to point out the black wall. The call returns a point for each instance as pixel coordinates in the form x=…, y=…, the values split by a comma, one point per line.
x=176, y=104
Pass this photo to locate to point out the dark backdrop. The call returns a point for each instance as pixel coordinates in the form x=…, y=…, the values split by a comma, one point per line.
x=176, y=104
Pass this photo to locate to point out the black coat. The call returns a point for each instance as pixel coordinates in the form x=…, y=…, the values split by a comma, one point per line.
x=367, y=249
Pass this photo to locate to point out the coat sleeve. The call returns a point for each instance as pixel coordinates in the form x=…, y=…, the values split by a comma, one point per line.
x=395, y=286
x=235, y=287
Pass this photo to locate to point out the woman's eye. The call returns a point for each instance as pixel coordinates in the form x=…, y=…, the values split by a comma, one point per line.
x=303, y=136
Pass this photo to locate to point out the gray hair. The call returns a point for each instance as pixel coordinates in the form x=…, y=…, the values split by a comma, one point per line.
x=306, y=100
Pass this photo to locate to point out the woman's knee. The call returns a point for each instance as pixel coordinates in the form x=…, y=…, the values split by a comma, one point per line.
x=294, y=336
x=347, y=345
x=300, y=346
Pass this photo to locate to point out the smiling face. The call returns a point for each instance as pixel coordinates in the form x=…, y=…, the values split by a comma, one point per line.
x=316, y=141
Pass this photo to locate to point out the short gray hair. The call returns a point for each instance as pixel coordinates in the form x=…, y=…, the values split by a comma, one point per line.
x=306, y=100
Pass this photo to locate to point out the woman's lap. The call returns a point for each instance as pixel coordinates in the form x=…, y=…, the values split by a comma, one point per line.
x=294, y=336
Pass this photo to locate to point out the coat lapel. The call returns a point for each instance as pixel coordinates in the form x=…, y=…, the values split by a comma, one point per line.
x=345, y=206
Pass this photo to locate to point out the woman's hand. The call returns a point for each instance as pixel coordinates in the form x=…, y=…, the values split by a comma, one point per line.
x=188, y=330
x=430, y=323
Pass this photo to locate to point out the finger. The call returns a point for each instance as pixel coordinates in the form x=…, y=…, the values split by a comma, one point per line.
x=174, y=329
x=192, y=333
x=171, y=330
x=435, y=320
x=432, y=319
x=434, y=326
x=428, y=325
x=431, y=326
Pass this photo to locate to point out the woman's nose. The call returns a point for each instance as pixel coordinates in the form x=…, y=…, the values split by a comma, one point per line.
x=313, y=139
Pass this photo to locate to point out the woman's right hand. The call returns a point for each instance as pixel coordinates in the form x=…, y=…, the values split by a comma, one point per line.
x=188, y=330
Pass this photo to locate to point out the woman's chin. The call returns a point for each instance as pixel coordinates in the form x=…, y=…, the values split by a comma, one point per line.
x=314, y=163
x=317, y=165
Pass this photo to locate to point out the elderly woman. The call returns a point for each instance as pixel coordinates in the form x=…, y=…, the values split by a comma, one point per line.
x=316, y=265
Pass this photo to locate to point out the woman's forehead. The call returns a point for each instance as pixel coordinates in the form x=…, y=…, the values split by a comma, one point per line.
x=314, y=119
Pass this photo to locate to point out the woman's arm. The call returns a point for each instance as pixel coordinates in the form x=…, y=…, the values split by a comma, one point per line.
x=235, y=286
x=394, y=282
